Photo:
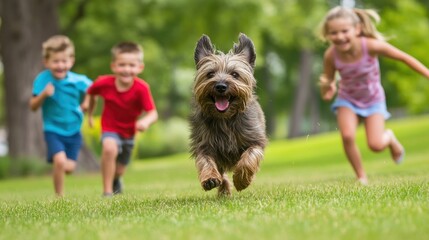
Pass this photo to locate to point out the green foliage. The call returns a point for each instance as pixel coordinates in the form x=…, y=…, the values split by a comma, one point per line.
x=292, y=23
x=412, y=40
x=22, y=167
x=162, y=138
x=4, y=167
x=169, y=30
x=298, y=194
x=92, y=136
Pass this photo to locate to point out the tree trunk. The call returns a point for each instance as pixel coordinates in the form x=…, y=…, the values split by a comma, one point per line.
x=314, y=109
x=24, y=26
x=302, y=94
x=87, y=162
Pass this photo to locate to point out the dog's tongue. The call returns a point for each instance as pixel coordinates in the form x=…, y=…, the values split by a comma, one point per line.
x=221, y=103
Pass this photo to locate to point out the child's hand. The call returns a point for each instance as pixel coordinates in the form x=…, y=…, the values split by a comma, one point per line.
x=49, y=90
x=328, y=92
x=142, y=125
x=327, y=88
x=84, y=106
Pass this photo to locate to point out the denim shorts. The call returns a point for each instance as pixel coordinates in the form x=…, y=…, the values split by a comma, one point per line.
x=56, y=143
x=362, y=112
x=125, y=146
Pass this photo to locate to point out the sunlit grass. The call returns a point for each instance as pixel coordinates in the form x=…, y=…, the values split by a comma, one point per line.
x=305, y=190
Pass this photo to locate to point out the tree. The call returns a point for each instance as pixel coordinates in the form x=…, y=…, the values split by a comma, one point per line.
x=290, y=25
x=25, y=25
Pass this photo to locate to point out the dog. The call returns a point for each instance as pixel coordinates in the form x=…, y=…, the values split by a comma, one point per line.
x=227, y=122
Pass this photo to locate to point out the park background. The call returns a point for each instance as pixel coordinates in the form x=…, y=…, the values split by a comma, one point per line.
x=305, y=189
x=289, y=61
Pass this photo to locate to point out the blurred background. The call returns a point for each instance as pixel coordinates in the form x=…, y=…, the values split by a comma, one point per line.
x=288, y=63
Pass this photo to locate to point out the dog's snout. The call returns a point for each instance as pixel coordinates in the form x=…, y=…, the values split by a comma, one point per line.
x=221, y=87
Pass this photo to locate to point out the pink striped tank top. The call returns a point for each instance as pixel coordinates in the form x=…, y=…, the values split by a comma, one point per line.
x=360, y=81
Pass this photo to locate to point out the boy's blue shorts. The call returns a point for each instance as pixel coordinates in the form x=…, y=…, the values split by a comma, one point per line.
x=125, y=146
x=56, y=143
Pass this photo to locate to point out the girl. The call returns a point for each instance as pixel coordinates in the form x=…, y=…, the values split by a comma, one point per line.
x=355, y=45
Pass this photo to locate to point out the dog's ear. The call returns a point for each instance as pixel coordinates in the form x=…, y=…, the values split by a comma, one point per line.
x=203, y=49
x=245, y=46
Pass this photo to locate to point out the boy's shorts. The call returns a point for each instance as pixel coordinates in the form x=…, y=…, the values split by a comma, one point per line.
x=56, y=143
x=125, y=146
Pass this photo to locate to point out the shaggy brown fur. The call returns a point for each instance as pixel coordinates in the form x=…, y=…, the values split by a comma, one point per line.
x=227, y=122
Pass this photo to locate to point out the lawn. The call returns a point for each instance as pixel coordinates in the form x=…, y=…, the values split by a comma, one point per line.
x=305, y=190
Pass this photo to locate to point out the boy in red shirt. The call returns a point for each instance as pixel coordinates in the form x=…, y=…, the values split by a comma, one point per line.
x=126, y=97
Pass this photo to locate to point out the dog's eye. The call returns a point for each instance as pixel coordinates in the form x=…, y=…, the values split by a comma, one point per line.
x=235, y=75
x=210, y=74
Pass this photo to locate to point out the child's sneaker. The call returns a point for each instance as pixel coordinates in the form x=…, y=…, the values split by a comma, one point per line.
x=117, y=186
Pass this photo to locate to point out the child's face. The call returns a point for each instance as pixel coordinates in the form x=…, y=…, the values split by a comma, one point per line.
x=126, y=66
x=342, y=33
x=59, y=63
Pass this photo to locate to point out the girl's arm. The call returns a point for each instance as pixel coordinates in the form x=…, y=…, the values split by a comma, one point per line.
x=377, y=47
x=149, y=118
x=327, y=82
x=37, y=101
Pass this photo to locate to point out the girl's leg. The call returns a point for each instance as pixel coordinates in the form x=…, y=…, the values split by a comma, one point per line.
x=397, y=151
x=108, y=163
x=378, y=138
x=61, y=165
x=348, y=122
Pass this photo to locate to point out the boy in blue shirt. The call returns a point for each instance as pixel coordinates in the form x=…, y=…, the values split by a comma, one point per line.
x=59, y=92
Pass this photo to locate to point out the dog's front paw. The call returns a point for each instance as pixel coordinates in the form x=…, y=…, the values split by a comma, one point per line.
x=241, y=184
x=210, y=183
x=242, y=179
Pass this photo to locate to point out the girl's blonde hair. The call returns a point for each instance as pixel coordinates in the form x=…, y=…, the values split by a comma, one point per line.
x=57, y=43
x=366, y=18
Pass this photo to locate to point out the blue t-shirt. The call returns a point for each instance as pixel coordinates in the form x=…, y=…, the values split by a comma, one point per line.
x=61, y=112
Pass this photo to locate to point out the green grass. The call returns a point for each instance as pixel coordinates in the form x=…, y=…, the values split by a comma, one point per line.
x=305, y=190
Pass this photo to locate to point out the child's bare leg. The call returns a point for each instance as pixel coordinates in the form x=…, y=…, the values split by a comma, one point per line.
x=396, y=148
x=379, y=138
x=61, y=166
x=108, y=163
x=347, y=123
x=70, y=166
x=120, y=170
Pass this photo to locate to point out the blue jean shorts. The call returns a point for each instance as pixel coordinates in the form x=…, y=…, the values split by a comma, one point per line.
x=362, y=112
x=125, y=146
x=56, y=143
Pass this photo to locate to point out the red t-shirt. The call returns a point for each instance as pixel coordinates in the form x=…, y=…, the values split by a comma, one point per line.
x=122, y=109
